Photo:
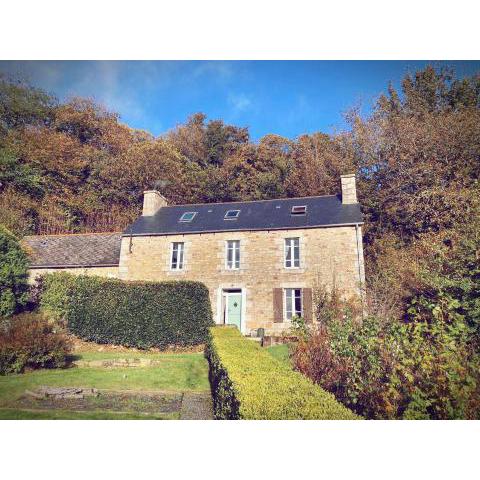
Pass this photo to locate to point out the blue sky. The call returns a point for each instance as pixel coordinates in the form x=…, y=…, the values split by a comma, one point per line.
x=283, y=97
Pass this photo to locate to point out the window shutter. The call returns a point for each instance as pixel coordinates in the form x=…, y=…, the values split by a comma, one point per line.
x=277, y=305
x=307, y=304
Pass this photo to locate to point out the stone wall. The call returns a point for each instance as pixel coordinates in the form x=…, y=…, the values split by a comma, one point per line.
x=111, y=272
x=327, y=255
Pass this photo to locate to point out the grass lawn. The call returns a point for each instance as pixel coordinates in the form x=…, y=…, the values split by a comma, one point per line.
x=280, y=352
x=184, y=372
x=15, y=414
x=96, y=355
x=172, y=372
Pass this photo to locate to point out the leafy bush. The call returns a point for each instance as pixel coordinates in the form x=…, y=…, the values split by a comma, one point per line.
x=55, y=291
x=345, y=358
x=248, y=383
x=425, y=367
x=133, y=314
x=13, y=274
x=29, y=340
x=437, y=367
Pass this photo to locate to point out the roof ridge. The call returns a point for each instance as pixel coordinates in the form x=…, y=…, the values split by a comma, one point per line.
x=71, y=234
x=250, y=201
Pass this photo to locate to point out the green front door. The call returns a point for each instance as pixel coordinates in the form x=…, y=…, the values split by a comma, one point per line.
x=234, y=309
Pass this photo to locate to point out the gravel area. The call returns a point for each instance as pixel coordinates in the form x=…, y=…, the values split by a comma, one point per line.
x=196, y=406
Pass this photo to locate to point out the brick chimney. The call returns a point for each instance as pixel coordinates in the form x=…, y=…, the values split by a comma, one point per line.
x=349, y=189
x=153, y=201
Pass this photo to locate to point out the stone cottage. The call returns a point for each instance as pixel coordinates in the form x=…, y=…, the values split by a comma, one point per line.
x=259, y=259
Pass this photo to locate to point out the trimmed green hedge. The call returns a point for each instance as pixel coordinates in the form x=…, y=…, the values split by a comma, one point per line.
x=248, y=383
x=133, y=314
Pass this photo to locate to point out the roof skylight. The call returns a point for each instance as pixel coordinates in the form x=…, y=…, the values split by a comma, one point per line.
x=232, y=214
x=187, y=216
x=299, y=210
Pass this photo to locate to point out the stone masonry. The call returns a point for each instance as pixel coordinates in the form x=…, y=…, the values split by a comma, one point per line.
x=327, y=255
x=109, y=272
x=349, y=189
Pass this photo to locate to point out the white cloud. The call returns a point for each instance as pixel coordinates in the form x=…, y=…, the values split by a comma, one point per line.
x=104, y=79
x=240, y=102
x=214, y=69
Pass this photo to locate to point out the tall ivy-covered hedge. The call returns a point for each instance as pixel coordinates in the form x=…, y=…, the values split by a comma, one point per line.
x=13, y=274
x=135, y=314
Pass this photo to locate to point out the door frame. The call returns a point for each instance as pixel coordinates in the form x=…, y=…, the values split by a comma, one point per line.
x=223, y=292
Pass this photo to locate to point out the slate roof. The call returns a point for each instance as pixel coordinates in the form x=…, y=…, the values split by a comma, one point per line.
x=325, y=211
x=73, y=250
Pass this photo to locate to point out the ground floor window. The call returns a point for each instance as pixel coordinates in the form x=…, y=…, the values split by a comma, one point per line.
x=293, y=303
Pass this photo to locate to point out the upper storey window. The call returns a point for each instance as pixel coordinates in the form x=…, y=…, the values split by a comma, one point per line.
x=187, y=216
x=292, y=252
x=233, y=255
x=177, y=255
x=232, y=214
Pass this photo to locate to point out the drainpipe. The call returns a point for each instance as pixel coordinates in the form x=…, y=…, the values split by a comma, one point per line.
x=130, y=243
x=359, y=262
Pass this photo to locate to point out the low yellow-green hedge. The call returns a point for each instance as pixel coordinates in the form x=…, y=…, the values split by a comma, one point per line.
x=248, y=383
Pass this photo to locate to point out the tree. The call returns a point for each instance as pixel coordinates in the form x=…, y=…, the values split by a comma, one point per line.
x=207, y=144
x=13, y=274
x=21, y=177
x=222, y=140
x=22, y=105
x=319, y=160
x=418, y=158
x=189, y=139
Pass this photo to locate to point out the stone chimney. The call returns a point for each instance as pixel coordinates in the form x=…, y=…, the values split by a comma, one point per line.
x=349, y=189
x=153, y=201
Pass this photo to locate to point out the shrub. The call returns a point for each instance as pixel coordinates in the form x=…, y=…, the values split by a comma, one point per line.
x=133, y=314
x=28, y=340
x=13, y=274
x=347, y=358
x=55, y=291
x=423, y=368
x=248, y=383
x=436, y=367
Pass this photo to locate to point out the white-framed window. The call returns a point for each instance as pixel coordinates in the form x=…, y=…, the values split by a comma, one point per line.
x=293, y=303
x=232, y=257
x=177, y=256
x=292, y=252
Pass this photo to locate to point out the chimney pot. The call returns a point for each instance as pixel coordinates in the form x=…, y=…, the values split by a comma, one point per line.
x=153, y=201
x=349, y=189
